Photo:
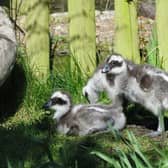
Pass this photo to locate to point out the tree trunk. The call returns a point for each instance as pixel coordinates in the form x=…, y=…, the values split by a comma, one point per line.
x=126, y=37
x=162, y=24
x=82, y=33
x=37, y=36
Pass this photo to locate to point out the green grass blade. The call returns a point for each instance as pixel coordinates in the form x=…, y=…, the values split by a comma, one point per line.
x=104, y=157
x=135, y=146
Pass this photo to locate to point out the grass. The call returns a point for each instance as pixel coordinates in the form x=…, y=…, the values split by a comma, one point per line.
x=29, y=138
x=27, y=131
x=135, y=158
x=152, y=50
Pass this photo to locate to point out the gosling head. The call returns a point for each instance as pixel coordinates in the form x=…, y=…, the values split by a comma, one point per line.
x=115, y=64
x=60, y=102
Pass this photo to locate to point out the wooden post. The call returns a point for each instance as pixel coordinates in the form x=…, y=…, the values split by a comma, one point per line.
x=37, y=36
x=162, y=25
x=126, y=33
x=82, y=34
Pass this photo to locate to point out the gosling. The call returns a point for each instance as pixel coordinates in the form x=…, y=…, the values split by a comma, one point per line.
x=142, y=84
x=83, y=119
x=100, y=82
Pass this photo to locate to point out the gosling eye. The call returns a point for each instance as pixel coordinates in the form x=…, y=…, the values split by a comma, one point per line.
x=114, y=63
x=58, y=100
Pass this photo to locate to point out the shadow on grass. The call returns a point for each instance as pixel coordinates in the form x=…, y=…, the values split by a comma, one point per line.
x=137, y=115
x=39, y=146
x=77, y=153
x=25, y=146
x=17, y=145
x=12, y=92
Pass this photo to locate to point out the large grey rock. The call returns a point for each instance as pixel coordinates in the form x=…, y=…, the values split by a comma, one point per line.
x=7, y=46
x=147, y=8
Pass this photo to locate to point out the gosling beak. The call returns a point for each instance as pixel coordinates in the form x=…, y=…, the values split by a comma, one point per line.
x=47, y=105
x=86, y=96
x=106, y=68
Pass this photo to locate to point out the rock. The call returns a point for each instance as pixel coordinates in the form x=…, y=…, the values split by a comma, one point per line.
x=147, y=8
x=105, y=30
x=7, y=46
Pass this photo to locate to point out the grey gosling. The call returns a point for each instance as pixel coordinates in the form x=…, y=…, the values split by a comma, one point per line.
x=83, y=119
x=143, y=84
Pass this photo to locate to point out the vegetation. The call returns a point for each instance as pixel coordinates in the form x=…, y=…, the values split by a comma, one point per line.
x=28, y=134
x=29, y=138
x=152, y=50
x=136, y=158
